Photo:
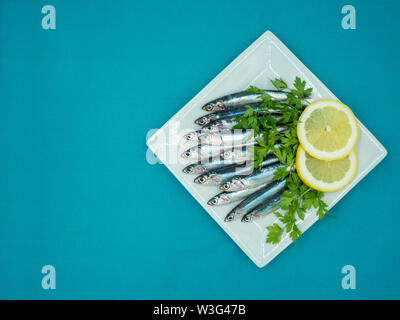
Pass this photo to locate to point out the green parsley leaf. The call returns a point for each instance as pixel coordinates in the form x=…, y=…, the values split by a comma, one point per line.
x=274, y=234
x=300, y=90
x=295, y=233
x=279, y=84
x=253, y=89
x=281, y=173
x=249, y=112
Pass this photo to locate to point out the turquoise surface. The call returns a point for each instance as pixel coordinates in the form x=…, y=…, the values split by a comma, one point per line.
x=77, y=193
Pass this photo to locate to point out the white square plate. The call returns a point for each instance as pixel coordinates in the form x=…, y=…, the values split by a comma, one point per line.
x=266, y=59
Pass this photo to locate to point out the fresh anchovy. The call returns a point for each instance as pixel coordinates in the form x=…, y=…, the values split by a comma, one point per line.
x=230, y=114
x=255, y=199
x=224, y=125
x=266, y=207
x=237, y=154
x=230, y=197
x=242, y=154
x=221, y=175
x=260, y=176
x=233, y=137
x=203, y=152
x=212, y=164
x=240, y=99
x=221, y=124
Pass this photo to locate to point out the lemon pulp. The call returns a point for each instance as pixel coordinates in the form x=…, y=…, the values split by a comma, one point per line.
x=327, y=130
x=325, y=175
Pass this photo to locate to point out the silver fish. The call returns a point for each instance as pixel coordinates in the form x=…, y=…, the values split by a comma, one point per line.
x=238, y=154
x=229, y=114
x=230, y=197
x=224, y=125
x=240, y=99
x=242, y=154
x=263, y=194
x=212, y=164
x=228, y=138
x=221, y=124
x=203, y=152
x=221, y=175
x=266, y=207
x=193, y=136
x=260, y=176
x=233, y=137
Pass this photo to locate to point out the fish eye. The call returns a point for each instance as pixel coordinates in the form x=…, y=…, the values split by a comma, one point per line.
x=226, y=154
x=247, y=219
x=187, y=154
x=202, y=180
x=230, y=218
x=189, y=137
x=226, y=186
x=209, y=107
x=214, y=201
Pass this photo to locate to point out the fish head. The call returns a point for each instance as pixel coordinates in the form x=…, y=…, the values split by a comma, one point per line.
x=225, y=186
x=210, y=138
x=215, y=125
x=202, y=121
x=191, y=136
x=227, y=154
x=214, y=106
x=214, y=201
x=231, y=216
x=191, y=153
x=208, y=106
x=234, y=185
x=205, y=138
x=248, y=217
x=234, y=155
x=208, y=128
x=219, y=199
x=196, y=168
x=189, y=169
x=203, y=179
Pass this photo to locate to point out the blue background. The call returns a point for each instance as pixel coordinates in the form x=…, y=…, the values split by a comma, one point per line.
x=76, y=191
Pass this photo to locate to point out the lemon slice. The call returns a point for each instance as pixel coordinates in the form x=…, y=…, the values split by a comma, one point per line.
x=323, y=175
x=327, y=130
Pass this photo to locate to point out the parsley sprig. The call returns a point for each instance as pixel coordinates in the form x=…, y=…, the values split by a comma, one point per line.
x=298, y=197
